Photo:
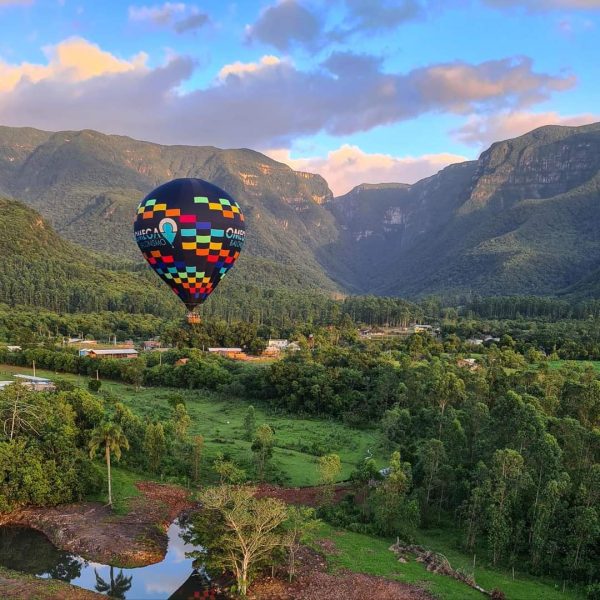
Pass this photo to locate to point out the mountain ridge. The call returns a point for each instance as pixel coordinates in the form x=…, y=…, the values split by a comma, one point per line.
x=522, y=218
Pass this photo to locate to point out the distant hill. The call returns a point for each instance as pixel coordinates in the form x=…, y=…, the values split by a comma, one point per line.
x=87, y=185
x=41, y=269
x=522, y=219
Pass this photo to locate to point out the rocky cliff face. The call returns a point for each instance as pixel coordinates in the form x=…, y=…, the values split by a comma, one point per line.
x=518, y=220
x=524, y=218
x=542, y=164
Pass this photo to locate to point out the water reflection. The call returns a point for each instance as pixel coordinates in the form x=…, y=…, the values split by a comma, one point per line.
x=29, y=551
x=116, y=587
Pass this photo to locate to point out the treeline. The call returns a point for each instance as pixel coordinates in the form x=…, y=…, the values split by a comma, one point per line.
x=508, y=452
x=275, y=312
x=530, y=307
x=566, y=339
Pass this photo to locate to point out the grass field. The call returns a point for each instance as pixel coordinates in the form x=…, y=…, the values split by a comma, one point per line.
x=556, y=364
x=367, y=554
x=299, y=441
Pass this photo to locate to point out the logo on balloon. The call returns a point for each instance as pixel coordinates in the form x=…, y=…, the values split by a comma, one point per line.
x=168, y=229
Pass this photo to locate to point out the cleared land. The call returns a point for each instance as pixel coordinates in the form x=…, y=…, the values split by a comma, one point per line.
x=299, y=441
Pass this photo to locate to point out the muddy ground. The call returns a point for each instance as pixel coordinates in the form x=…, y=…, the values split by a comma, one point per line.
x=93, y=531
x=314, y=582
x=307, y=496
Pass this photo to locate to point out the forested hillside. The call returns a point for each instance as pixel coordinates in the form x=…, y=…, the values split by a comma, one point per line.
x=87, y=185
x=522, y=219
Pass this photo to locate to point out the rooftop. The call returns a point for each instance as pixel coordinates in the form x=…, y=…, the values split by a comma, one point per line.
x=113, y=351
x=33, y=379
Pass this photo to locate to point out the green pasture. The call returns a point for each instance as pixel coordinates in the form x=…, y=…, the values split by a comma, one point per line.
x=368, y=554
x=556, y=364
x=299, y=441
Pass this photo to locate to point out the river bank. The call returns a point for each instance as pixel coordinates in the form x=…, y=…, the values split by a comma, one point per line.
x=93, y=531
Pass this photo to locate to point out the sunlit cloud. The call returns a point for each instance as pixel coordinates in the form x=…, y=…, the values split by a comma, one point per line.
x=263, y=104
x=481, y=131
x=73, y=60
x=349, y=166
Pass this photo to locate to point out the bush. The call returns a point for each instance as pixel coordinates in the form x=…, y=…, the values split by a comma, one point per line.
x=94, y=385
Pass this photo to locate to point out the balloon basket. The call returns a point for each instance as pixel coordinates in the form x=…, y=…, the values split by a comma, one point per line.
x=193, y=318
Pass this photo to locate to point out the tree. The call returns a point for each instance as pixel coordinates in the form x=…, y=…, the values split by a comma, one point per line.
x=117, y=587
x=300, y=521
x=329, y=468
x=250, y=423
x=394, y=513
x=111, y=436
x=506, y=481
x=198, y=445
x=262, y=446
x=17, y=411
x=432, y=457
x=228, y=471
x=155, y=445
x=134, y=372
x=94, y=385
x=239, y=532
x=182, y=421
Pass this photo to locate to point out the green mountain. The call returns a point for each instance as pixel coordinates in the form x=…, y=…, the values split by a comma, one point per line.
x=87, y=185
x=39, y=268
x=522, y=219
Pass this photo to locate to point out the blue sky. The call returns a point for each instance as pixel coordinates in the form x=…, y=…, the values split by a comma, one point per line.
x=357, y=90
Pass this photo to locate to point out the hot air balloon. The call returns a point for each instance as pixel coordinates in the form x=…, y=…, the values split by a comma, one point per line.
x=191, y=232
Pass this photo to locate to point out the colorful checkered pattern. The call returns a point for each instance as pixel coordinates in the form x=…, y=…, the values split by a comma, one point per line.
x=204, y=237
x=228, y=208
x=150, y=209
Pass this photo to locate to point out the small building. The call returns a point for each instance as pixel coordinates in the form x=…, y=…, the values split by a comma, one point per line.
x=468, y=363
x=474, y=341
x=181, y=361
x=423, y=328
x=150, y=345
x=275, y=347
x=4, y=384
x=14, y=348
x=229, y=352
x=37, y=384
x=109, y=353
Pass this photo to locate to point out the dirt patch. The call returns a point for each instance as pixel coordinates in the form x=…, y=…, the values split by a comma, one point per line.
x=27, y=587
x=307, y=496
x=94, y=532
x=315, y=583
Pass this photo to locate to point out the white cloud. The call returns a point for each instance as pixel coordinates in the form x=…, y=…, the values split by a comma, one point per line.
x=349, y=166
x=72, y=60
x=266, y=104
x=239, y=68
x=178, y=16
x=481, y=131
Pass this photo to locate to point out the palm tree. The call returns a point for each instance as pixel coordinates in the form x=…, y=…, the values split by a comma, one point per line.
x=117, y=587
x=111, y=436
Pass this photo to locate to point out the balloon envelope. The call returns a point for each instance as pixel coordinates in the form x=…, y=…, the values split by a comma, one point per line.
x=191, y=233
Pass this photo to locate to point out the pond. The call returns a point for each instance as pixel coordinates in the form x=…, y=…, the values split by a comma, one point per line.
x=29, y=551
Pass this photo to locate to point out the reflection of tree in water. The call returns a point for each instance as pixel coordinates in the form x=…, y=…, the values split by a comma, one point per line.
x=117, y=587
x=27, y=550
